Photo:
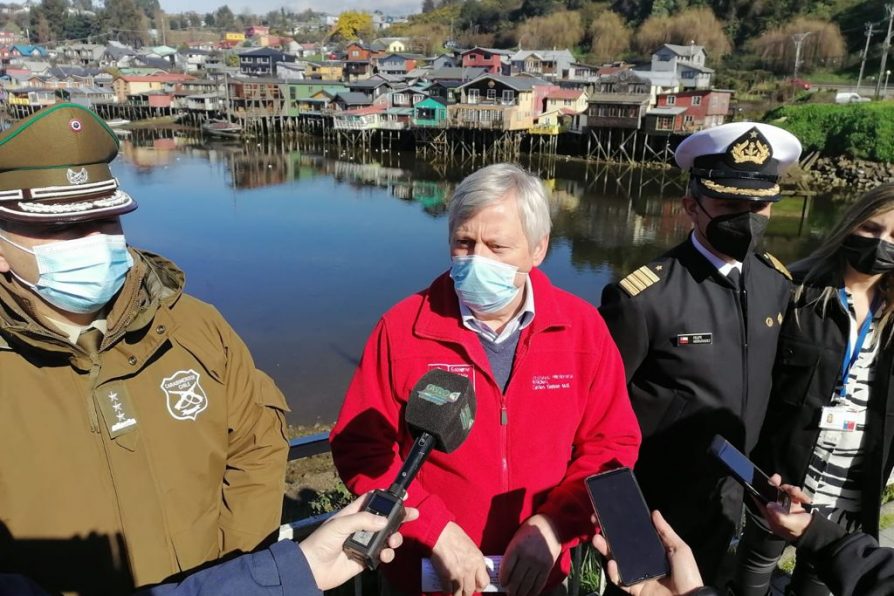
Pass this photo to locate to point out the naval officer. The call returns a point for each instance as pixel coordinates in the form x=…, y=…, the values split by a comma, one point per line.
x=697, y=330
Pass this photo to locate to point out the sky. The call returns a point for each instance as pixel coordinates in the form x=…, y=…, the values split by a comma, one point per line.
x=389, y=7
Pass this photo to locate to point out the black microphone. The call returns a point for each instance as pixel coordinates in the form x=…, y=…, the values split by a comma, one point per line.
x=439, y=415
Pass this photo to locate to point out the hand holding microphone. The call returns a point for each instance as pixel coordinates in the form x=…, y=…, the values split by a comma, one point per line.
x=439, y=415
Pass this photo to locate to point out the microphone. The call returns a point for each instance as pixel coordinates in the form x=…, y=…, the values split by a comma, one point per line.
x=439, y=415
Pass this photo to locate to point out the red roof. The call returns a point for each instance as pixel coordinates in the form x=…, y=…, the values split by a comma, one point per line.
x=564, y=94
x=365, y=110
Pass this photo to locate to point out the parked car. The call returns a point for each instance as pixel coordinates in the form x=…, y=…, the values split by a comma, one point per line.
x=799, y=84
x=850, y=97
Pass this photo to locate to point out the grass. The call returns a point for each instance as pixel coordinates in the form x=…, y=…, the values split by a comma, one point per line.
x=590, y=571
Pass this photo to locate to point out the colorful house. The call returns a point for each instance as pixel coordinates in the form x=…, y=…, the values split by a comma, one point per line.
x=125, y=86
x=431, y=111
x=492, y=60
x=328, y=70
x=688, y=111
x=499, y=102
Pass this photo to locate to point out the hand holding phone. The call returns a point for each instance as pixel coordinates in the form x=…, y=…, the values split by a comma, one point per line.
x=627, y=526
x=747, y=474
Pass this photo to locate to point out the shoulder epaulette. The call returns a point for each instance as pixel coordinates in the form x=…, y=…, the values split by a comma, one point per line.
x=776, y=264
x=639, y=280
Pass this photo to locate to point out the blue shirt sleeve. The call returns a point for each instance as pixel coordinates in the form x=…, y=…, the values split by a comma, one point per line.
x=280, y=570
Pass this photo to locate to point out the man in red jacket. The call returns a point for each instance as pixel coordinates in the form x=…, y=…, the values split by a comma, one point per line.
x=551, y=393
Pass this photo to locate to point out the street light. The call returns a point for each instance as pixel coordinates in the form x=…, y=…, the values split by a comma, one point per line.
x=887, y=74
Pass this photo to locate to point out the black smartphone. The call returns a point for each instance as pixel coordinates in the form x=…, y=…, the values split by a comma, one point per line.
x=753, y=479
x=627, y=526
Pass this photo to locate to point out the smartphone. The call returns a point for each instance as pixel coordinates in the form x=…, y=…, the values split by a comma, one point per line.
x=753, y=479
x=627, y=526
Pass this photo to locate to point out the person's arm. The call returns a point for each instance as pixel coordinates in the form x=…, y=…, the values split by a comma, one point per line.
x=847, y=563
x=365, y=439
x=256, y=454
x=627, y=324
x=318, y=563
x=365, y=449
x=607, y=436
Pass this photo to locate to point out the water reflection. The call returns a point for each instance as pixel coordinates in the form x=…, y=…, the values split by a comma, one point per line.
x=302, y=247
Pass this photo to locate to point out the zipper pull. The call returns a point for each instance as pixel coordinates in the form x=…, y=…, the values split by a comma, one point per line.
x=504, y=417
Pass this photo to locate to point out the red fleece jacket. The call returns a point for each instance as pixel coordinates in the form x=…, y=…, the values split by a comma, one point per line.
x=565, y=415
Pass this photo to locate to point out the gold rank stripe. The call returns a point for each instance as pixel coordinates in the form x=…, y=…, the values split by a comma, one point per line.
x=780, y=267
x=638, y=281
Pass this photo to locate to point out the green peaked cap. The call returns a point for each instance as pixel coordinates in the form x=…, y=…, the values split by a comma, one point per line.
x=54, y=168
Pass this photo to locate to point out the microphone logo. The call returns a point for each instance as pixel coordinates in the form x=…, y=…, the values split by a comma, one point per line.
x=438, y=395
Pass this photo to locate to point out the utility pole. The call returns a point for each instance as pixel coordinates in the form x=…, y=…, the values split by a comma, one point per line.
x=869, y=28
x=885, y=48
x=798, y=38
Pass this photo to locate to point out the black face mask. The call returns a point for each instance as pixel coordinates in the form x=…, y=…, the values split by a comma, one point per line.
x=736, y=234
x=868, y=255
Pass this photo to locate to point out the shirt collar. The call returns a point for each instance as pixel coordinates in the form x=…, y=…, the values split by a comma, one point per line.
x=73, y=331
x=518, y=322
x=723, y=267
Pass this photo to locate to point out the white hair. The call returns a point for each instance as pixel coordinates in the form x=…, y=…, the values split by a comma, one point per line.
x=493, y=183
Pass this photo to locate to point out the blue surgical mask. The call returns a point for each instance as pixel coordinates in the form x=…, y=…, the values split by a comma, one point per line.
x=482, y=284
x=80, y=275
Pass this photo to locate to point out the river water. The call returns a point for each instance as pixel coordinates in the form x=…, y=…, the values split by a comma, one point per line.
x=302, y=247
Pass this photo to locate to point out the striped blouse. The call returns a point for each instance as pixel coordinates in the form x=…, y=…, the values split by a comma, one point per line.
x=835, y=473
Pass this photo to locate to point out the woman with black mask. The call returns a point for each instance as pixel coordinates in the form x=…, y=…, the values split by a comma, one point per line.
x=830, y=423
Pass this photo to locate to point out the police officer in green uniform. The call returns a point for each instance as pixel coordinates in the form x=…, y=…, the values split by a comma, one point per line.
x=697, y=330
x=137, y=438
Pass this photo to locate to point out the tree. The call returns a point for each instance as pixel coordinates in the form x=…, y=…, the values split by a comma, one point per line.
x=39, y=26
x=694, y=25
x=149, y=7
x=126, y=21
x=559, y=30
x=353, y=24
x=428, y=5
x=610, y=37
x=55, y=12
x=823, y=47
x=81, y=26
x=224, y=19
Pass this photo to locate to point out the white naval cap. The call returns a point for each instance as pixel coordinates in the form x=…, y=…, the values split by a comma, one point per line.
x=740, y=160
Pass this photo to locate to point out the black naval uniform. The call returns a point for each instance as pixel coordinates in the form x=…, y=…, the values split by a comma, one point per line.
x=698, y=352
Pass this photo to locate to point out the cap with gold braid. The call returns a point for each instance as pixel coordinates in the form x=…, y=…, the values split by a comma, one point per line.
x=740, y=160
x=54, y=168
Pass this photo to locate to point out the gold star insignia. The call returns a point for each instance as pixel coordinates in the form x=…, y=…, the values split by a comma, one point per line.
x=659, y=267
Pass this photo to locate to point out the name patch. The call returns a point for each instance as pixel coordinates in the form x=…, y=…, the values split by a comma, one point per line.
x=694, y=339
x=551, y=382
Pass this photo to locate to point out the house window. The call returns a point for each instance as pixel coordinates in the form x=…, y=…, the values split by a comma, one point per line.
x=688, y=120
x=472, y=95
x=355, y=53
x=491, y=94
x=696, y=100
x=485, y=116
x=671, y=100
x=417, y=97
x=665, y=123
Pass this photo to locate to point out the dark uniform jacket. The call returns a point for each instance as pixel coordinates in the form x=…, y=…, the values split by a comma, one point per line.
x=811, y=349
x=698, y=355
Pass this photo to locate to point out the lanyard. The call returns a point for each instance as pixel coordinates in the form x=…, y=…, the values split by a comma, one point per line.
x=851, y=353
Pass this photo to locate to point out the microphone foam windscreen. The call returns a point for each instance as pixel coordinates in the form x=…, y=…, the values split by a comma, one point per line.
x=443, y=405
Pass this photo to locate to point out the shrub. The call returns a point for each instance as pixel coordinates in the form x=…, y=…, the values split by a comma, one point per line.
x=864, y=131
